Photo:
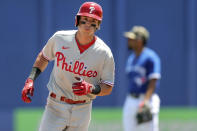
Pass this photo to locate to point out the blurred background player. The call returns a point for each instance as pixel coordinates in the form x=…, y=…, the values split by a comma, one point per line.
x=143, y=70
x=83, y=69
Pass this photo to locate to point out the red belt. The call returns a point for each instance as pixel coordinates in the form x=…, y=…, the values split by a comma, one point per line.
x=69, y=101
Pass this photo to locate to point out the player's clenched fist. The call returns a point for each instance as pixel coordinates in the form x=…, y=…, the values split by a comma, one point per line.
x=28, y=90
x=81, y=87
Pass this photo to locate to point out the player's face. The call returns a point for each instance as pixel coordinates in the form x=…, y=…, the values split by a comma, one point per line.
x=88, y=24
x=135, y=44
x=132, y=43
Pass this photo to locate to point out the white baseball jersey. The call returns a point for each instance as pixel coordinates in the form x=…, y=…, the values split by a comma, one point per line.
x=95, y=65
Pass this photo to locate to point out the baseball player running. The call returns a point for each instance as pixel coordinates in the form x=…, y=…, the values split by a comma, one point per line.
x=83, y=69
x=141, y=107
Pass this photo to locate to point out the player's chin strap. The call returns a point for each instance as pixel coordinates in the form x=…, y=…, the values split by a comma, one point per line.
x=96, y=90
x=35, y=72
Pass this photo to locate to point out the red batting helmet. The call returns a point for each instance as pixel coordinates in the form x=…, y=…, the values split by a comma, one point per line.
x=90, y=9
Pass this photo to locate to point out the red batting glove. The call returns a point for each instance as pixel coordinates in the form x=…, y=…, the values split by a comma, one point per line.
x=82, y=87
x=28, y=90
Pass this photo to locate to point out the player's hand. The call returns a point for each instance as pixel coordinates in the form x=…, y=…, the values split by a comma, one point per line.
x=81, y=87
x=144, y=113
x=142, y=104
x=28, y=90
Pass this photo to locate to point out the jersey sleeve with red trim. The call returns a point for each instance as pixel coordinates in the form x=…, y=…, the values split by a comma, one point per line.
x=107, y=76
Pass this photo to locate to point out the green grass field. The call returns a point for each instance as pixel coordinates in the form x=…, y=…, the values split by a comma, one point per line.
x=110, y=119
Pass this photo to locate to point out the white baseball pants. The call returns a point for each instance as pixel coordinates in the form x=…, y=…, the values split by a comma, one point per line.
x=129, y=114
x=60, y=116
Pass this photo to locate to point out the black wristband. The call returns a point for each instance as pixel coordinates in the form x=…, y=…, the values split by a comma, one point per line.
x=35, y=72
x=96, y=90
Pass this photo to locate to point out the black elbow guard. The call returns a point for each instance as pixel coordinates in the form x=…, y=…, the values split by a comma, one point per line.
x=35, y=72
x=96, y=90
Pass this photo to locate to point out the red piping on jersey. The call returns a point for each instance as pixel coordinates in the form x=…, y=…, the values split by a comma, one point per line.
x=82, y=48
x=107, y=83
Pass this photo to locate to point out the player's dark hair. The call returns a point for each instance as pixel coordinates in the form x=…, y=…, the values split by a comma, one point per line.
x=144, y=41
x=78, y=18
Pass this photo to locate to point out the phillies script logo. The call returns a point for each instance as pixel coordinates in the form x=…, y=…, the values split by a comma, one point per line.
x=78, y=67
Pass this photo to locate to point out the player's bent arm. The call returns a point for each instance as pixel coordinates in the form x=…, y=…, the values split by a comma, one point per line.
x=150, y=90
x=41, y=62
x=39, y=66
x=105, y=89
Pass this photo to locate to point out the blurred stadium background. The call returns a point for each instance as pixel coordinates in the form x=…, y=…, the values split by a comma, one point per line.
x=25, y=26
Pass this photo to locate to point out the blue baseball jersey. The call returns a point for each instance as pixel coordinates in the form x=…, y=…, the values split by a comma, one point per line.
x=141, y=69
